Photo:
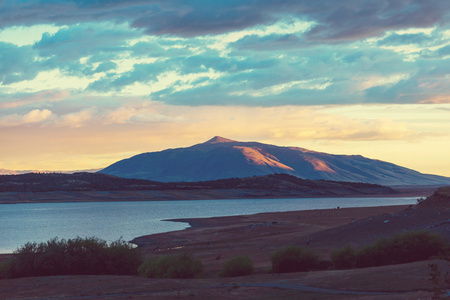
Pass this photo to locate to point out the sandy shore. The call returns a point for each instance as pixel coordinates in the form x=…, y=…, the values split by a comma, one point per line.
x=257, y=235
x=214, y=240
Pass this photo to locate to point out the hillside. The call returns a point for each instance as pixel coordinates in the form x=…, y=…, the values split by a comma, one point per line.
x=275, y=185
x=83, y=181
x=221, y=158
x=431, y=213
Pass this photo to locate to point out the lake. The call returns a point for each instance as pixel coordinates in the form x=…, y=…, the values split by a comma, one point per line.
x=39, y=222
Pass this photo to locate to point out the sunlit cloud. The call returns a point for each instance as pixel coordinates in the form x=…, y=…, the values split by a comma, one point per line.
x=31, y=117
x=77, y=119
x=26, y=35
x=39, y=98
x=48, y=80
x=316, y=84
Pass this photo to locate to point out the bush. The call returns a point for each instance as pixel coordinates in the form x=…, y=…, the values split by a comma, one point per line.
x=344, y=258
x=402, y=248
x=6, y=269
x=237, y=266
x=293, y=259
x=173, y=266
x=88, y=256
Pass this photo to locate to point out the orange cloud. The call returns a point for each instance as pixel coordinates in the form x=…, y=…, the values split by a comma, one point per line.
x=33, y=116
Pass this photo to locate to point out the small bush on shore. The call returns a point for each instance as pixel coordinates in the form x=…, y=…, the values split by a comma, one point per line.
x=172, y=266
x=402, y=248
x=344, y=258
x=237, y=266
x=79, y=256
x=5, y=269
x=293, y=259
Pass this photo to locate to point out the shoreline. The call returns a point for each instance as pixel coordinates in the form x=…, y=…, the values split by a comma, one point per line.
x=207, y=222
x=329, y=217
x=124, y=196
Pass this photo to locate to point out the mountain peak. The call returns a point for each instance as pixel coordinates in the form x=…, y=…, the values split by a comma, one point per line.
x=219, y=139
x=221, y=158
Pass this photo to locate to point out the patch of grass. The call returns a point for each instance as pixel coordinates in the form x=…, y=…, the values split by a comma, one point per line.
x=344, y=258
x=402, y=248
x=6, y=269
x=293, y=259
x=172, y=266
x=79, y=256
x=237, y=266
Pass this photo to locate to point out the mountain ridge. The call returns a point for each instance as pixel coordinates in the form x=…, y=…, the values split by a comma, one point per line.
x=220, y=158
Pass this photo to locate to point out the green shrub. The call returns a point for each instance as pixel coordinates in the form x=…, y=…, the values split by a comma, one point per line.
x=324, y=265
x=6, y=269
x=402, y=248
x=344, y=258
x=172, y=266
x=293, y=259
x=79, y=256
x=237, y=266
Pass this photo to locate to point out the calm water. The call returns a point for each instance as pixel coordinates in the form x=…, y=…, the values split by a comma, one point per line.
x=22, y=223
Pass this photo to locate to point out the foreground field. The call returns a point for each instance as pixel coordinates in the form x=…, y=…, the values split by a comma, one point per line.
x=408, y=281
x=214, y=240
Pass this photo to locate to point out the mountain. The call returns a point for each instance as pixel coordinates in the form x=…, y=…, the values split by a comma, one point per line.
x=221, y=158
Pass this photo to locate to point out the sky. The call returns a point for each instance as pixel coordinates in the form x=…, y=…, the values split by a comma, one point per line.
x=86, y=83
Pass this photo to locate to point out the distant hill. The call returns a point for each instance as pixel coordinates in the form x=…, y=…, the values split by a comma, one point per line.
x=8, y=172
x=83, y=181
x=17, y=172
x=270, y=185
x=221, y=158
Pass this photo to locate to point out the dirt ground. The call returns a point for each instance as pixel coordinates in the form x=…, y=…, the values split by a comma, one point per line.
x=214, y=240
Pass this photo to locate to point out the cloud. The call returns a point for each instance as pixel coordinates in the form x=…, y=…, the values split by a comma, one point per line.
x=272, y=42
x=77, y=119
x=352, y=19
x=17, y=63
x=193, y=18
x=430, y=83
x=84, y=40
x=34, y=116
x=105, y=67
x=405, y=39
x=444, y=51
x=140, y=73
x=306, y=76
x=347, y=20
x=41, y=98
x=84, y=49
x=139, y=114
x=291, y=123
x=248, y=53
